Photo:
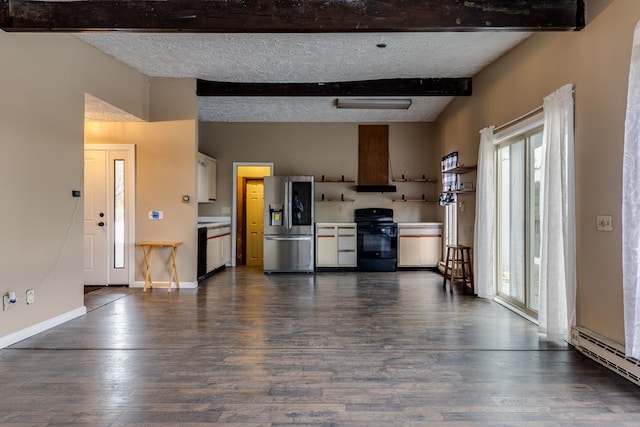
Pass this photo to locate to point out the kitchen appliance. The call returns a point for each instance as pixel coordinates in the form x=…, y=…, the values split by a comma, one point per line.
x=288, y=224
x=202, y=253
x=377, y=247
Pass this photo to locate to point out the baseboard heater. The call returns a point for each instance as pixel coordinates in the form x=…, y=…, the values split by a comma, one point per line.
x=606, y=352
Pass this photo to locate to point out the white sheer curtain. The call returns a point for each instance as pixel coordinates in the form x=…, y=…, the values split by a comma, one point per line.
x=556, y=311
x=484, y=238
x=631, y=207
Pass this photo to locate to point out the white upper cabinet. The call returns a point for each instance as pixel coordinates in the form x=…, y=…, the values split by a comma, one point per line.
x=206, y=178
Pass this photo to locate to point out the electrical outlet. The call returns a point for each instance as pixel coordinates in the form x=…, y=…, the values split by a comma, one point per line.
x=604, y=223
x=30, y=296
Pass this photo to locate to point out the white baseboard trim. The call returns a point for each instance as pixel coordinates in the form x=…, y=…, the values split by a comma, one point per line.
x=183, y=285
x=18, y=336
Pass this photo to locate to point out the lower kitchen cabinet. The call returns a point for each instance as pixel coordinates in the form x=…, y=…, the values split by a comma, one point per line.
x=218, y=246
x=419, y=244
x=336, y=245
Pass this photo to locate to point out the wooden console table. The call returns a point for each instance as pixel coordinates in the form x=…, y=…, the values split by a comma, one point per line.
x=148, y=249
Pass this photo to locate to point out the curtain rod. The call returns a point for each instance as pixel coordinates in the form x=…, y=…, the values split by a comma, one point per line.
x=519, y=119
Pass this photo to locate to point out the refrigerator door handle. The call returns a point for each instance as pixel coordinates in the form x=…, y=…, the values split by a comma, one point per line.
x=288, y=238
x=288, y=196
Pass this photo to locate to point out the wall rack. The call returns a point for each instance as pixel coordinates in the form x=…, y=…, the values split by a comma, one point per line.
x=460, y=170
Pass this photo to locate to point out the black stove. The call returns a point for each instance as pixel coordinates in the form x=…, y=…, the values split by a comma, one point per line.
x=377, y=239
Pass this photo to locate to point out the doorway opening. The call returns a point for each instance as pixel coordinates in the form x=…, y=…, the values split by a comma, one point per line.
x=247, y=218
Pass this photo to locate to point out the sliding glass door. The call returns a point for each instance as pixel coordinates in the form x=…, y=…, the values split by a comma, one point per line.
x=518, y=220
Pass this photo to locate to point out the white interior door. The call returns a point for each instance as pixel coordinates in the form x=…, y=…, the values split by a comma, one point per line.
x=108, y=214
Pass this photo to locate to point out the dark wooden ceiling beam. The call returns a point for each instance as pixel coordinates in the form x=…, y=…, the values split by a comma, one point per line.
x=383, y=87
x=258, y=16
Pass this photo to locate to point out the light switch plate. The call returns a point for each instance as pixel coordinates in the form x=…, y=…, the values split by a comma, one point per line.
x=604, y=223
x=30, y=296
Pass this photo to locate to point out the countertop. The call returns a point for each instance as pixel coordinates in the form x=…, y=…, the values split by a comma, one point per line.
x=400, y=224
x=213, y=221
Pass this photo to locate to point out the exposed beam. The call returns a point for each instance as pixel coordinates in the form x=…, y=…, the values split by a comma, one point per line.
x=384, y=87
x=257, y=16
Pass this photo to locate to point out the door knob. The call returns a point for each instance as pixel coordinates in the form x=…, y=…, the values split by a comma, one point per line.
x=101, y=224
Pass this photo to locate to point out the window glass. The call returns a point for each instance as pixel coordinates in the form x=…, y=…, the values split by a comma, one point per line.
x=118, y=214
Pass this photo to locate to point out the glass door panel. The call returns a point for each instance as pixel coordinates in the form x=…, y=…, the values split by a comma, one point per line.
x=518, y=220
x=535, y=160
x=511, y=221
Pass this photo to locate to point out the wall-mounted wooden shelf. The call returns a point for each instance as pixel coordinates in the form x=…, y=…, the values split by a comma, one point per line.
x=461, y=192
x=423, y=179
x=327, y=199
x=334, y=180
x=420, y=180
x=424, y=199
x=460, y=169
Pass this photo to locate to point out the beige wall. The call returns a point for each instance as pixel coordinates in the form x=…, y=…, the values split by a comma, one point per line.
x=165, y=171
x=329, y=149
x=44, y=79
x=596, y=60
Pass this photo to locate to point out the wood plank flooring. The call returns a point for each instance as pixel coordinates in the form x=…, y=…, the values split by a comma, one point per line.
x=330, y=349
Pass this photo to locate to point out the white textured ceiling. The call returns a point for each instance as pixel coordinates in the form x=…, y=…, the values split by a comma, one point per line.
x=96, y=110
x=310, y=58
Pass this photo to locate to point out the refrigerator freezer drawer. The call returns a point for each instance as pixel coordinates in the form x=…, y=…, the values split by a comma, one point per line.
x=288, y=254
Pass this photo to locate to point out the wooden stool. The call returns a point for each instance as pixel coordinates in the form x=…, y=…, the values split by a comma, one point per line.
x=147, y=249
x=460, y=257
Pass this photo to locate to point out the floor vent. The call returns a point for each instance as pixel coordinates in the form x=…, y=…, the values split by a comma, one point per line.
x=607, y=353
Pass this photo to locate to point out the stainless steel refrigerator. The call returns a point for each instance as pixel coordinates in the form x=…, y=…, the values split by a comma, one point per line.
x=288, y=224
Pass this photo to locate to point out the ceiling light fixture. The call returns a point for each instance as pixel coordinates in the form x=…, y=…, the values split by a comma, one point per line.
x=374, y=104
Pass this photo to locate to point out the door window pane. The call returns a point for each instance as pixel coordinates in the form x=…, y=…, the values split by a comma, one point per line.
x=118, y=214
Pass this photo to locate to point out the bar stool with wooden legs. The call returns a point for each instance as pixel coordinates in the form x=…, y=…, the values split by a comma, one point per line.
x=461, y=270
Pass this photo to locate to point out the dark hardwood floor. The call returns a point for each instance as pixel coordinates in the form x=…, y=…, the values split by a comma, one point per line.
x=330, y=349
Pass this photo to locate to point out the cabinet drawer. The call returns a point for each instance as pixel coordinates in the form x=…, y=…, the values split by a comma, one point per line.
x=347, y=258
x=347, y=231
x=347, y=243
x=326, y=231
